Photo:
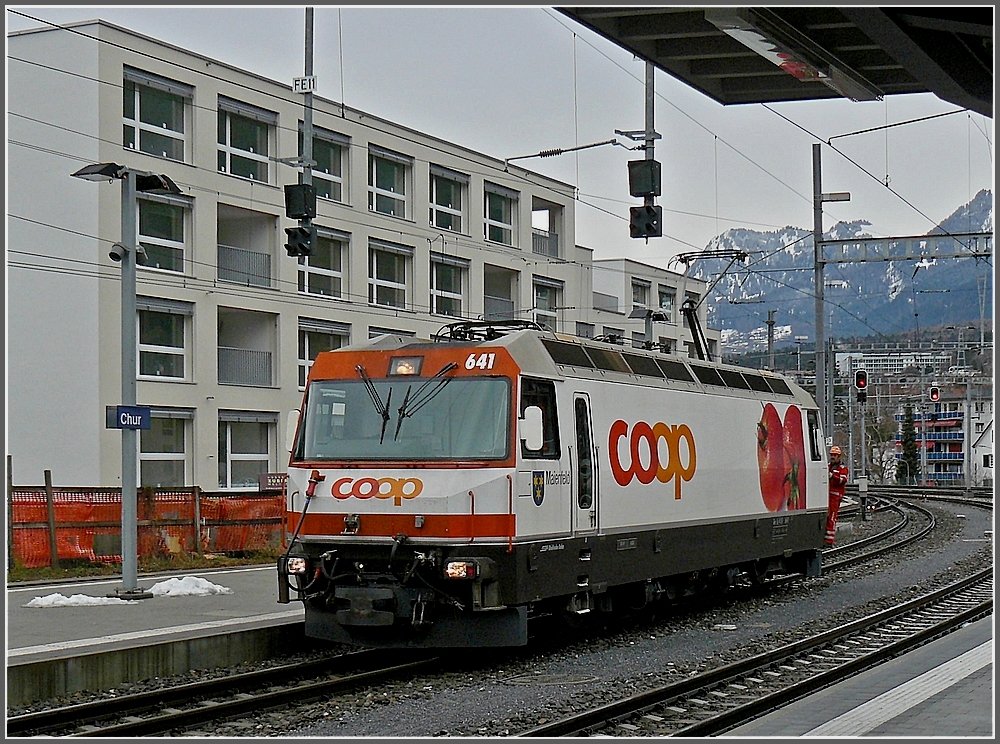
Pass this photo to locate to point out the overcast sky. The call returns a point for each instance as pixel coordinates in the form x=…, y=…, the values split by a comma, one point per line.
x=514, y=81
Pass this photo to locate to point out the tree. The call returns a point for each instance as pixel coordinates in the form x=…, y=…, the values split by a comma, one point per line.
x=880, y=436
x=908, y=467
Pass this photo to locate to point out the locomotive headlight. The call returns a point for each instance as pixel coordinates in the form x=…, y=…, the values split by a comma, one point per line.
x=461, y=570
x=296, y=566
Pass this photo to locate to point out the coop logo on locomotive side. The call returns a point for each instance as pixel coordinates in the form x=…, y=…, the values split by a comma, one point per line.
x=396, y=489
x=663, y=465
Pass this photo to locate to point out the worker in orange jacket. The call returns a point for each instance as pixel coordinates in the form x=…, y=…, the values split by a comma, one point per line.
x=838, y=480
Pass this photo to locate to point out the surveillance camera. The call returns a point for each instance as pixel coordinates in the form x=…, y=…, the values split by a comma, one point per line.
x=117, y=252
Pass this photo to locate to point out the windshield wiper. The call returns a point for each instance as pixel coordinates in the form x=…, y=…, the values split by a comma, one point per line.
x=383, y=409
x=419, y=401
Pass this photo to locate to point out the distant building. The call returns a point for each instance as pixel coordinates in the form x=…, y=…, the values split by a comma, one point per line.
x=891, y=363
x=960, y=420
x=413, y=233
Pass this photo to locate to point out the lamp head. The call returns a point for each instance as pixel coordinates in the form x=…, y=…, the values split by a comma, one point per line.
x=100, y=172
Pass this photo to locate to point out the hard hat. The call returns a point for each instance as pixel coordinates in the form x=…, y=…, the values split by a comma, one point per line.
x=835, y=450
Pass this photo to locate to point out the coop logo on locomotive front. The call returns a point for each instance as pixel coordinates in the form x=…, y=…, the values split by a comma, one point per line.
x=669, y=463
x=396, y=489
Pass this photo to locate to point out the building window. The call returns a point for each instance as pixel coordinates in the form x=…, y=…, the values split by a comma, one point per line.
x=329, y=174
x=584, y=330
x=316, y=336
x=388, y=173
x=163, y=450
x=161, y=231
x=546, y=303
x=387, y=273
x=245, y=134
x=162, y=334
x=448, y=281
x=500, y=208
x=640, y=294
x=667, y=299
x=245, y=445
x=447, y=207
x=154, y=114
x=322, y=273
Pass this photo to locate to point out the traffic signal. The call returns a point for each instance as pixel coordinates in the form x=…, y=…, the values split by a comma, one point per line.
x=934, y=394
x=861, y=383
x=300, y=201
x=645, y=221
x=644, y=178
x=300, y=240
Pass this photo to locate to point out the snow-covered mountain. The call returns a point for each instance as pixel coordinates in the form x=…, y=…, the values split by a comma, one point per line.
x=861, y=299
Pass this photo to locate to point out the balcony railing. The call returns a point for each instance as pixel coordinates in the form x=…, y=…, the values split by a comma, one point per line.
x=936, y=436
x=244, y=367
x=956, y=456
x=497, y=308
x=244, y=266
x=544, y=243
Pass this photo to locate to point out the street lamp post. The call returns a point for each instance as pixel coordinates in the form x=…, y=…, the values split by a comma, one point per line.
x=127, y=252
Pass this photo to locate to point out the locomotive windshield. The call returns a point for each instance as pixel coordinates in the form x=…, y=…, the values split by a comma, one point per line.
x=460, y=419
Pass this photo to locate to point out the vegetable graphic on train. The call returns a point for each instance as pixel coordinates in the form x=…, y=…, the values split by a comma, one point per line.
x=444, y=492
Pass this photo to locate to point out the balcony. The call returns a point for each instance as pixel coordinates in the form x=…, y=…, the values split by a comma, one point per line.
x=244, y=266
x=248, y=367
x=544, y=243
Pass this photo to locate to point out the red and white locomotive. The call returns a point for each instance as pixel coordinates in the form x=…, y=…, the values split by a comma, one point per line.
x=442, y=492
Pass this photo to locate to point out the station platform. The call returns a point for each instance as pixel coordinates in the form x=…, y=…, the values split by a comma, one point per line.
x=56, y=650
x=943, y=689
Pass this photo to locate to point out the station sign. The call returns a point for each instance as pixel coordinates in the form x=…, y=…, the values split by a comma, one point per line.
x=128, y=417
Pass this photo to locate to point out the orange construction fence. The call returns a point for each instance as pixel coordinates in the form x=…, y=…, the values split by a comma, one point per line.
x=87, y=522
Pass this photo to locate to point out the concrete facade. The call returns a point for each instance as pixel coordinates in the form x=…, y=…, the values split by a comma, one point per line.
x=415, y=233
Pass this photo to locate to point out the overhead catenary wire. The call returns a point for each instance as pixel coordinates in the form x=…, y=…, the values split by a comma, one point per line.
x=477, y=245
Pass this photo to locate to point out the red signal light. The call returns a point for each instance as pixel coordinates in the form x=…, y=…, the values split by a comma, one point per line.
x=934, y=394
x=861, y=379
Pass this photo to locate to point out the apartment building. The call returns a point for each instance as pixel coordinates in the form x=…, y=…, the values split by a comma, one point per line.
x=954, y=434
x=413, y=233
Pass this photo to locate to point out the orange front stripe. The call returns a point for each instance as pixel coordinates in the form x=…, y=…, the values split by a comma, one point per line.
x=456, y=526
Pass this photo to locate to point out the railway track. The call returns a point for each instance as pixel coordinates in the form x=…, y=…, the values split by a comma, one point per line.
x=713, y=702
x=185, y=706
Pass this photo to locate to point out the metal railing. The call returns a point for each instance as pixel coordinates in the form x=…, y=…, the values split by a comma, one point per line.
x=545, y=243
x=497, y=308
x=244, y=266
x=244, y=367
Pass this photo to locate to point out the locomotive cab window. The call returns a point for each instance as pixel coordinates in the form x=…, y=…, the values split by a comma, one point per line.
x=541, y=393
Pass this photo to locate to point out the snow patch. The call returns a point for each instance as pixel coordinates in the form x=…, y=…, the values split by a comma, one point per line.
x=187, y=586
